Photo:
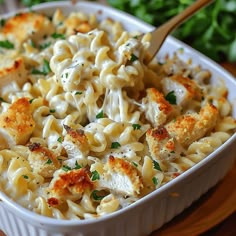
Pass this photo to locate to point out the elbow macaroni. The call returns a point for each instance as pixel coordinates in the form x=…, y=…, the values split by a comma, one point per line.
x=93, y=100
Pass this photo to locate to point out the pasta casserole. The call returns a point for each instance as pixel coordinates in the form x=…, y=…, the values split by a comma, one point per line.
x=86, y=126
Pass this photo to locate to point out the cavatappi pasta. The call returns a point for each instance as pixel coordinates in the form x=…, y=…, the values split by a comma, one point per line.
x=86, y=127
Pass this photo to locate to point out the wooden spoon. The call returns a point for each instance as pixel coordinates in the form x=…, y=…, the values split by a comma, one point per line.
x=159, y=35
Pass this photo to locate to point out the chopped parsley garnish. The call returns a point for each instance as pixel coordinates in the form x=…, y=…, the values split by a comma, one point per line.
x=95, y=175
x=25, y=176
x=32, y=44
x=59, y=140
x=78, y=93
x=135, y=164
x=49, y=161
x=31, y=100
x=66, y=168
x=100, y=115
x=58, y=36
x=115, y=145
x=66, y=75
x=171, y=97
x=46, y=67
x=77, y=166
x=45, y=45
x=96, y=196
x=2, y=22
x=156, y=165
x=136, y=126
x=6, y=44
x=181, y=50
x=52, y=110
x=155, y=180
x=133, y=58
x=45, y=71
x=37, y=72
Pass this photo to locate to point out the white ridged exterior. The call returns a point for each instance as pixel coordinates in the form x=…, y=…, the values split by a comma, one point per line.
x=159, y=207
x=139, y=220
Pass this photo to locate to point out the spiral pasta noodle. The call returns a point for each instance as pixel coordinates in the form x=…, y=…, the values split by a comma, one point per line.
x=87, y=128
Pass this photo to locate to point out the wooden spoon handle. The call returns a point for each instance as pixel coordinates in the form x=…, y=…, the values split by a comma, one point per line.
x=159, y=34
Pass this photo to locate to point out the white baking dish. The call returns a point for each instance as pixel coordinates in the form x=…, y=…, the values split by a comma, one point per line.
x=159, y=207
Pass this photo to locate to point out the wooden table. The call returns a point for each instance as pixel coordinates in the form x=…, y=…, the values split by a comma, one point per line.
x=214, y=214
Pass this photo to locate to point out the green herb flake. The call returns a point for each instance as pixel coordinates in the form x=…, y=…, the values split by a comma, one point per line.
x=155, y=180
x=25, y=176
x=78, y=93
x=133, y=58
x=31, y=100
x=135, y=164
x=52, y=110
x=181, y=50
x=6, y=44
x=59, y=140
x=96, y=196
x=58, y=36
x=45, y=45
x=48, y=162
x=66, y=168
x=77, y=166
x=2, y=22
x=100, y=115
x=136, y=126
x=95, y=176
x=46, y=67
x=32, y=44
x=171, y=97
x=156, y=165
x=115, y=145
x=37, y=72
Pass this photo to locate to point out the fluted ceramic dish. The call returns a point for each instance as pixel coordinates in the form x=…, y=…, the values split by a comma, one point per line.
x=155, y=209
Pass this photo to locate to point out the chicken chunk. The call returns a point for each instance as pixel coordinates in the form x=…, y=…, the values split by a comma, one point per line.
x=43, y=160
x=158, y=108
x=16, y=124
x=12, y=70
x=121, y=176
x=161, y=145
x=69, y=185
x=189, y=128
x=33, y=26
x=75, y=143
x=74, y=25
x=184, y=89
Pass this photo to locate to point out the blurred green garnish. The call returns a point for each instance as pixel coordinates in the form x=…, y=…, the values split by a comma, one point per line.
x=30, y=3
x=211, y=30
